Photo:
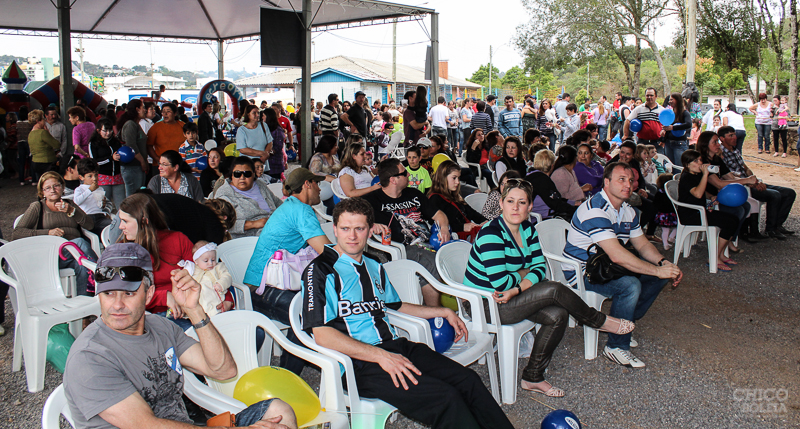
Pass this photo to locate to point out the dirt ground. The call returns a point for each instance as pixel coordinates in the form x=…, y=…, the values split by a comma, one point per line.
x=708, y=344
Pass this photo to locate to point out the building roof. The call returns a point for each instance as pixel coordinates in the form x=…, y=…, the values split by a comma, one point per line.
x=375, y=70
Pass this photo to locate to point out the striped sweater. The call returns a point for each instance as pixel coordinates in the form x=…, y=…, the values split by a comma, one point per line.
x=495, y=257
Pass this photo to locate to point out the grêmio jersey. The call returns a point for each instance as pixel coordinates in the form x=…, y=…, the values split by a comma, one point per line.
x=349, y=296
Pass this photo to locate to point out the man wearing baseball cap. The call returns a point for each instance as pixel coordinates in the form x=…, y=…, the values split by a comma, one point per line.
x=292, y=227
x=126, y=369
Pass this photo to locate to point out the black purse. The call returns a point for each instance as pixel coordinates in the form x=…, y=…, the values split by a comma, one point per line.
x=600, y=269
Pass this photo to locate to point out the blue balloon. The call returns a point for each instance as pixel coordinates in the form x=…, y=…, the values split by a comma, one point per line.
x=201, y=163
x=125, y=154
x=561, y=419
x=636, y=125
x=666, y=117
x=733, y=195
x=618, y=138
x=376, y=179
x=443, y=334
x=434, y=240
x=678, y=133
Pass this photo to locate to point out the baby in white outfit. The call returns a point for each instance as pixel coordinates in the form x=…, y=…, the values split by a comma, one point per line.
x=213, y=276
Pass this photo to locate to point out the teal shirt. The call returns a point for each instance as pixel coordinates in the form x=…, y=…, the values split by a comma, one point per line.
x=289, y=228
x=495, y=257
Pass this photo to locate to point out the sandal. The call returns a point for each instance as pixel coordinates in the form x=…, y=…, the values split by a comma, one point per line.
x=729, y=262
x=784, y=155
x=760, y=151
x=552, y=392
x=775, y=154
x=623, y=326
x=721, y=266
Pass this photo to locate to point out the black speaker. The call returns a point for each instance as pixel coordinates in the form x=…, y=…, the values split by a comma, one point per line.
x=282, y=38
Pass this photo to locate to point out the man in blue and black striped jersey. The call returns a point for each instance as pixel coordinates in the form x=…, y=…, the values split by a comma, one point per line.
x=345, y=294
x=609, y=222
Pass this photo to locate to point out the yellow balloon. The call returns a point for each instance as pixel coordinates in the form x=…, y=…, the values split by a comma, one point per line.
x=438, y=159
x=230, y=150
x=450, y=302
x=269, y=382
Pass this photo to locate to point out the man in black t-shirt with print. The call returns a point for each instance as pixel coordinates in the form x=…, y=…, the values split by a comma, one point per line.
x=405, y=213
x=356, y=117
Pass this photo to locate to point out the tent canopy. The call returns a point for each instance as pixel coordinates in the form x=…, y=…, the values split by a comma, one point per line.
x=199, y=20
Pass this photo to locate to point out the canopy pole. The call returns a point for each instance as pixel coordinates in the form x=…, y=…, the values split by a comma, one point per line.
x=435, y=60
x=220, y=73
x=65, y=90
x=305, y=87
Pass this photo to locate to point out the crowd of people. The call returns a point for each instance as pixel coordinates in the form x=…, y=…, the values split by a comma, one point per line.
x=545, y=160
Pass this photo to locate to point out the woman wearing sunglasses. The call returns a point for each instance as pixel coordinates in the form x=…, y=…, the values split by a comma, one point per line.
x=251, y=198
x=507, y=260
x=175, y=177
x=143, y=223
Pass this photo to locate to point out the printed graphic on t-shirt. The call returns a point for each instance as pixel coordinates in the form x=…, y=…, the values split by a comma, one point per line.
x=163, y=395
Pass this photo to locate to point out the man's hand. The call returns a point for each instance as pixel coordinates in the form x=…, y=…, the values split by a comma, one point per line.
x=669, y=271
x=642, y=193
x=399, y=368
x=380, y=229
x=457, y=324
x=185, y=290
x=760, y=186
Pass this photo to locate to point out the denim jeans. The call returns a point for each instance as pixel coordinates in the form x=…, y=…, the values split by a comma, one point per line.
x=115, y=193
x=763, y=135
x=250, y=415
x=552, y=138
x=601, y=132
x=133, y=176
x=81, y=273
x=632, y=297
x=673, y=149
x=740, y=135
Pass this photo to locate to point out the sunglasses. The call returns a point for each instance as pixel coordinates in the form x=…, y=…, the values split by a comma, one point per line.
x=128, y=274
x=518, y=183
x=247, y=174
x=404, y=173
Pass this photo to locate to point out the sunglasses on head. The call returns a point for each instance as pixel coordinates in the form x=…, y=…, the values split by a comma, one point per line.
x=239, y=173
x=518, y=183
x=128, y=274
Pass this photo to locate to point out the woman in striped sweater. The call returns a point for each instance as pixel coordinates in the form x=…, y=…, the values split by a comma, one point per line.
x=507, y=259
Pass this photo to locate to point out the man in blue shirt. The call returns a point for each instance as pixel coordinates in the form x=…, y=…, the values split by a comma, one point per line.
x=510, y=122
x=609, y=222
x=345, y=295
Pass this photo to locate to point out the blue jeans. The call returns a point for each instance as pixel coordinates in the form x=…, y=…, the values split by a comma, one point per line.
x=552, y=138
x=740, y=135
x=632, y=297
x=673, y=149
x=133, y=176
x=601, y=132
x=763, y=135
x=252, y=414
x=81, y=273
x=115, y=193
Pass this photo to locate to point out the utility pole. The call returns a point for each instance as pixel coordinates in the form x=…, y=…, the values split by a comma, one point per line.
x=79, y=50
x=691, y=39
x=394, y=59
x=587, y=81
x=490, y=69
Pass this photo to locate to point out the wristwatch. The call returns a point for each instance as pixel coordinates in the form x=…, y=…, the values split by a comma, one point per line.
x=202, y=323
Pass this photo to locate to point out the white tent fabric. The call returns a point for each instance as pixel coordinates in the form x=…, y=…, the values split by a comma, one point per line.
x=188, y=19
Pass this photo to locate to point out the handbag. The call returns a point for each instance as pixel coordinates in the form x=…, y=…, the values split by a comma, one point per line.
x=600, y=269
x=285, y=272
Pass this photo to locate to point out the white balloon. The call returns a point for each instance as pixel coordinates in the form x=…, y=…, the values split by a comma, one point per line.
x=325, y=191
x=210, y=144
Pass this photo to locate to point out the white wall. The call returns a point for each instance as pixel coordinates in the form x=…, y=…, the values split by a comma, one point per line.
x=741, y=100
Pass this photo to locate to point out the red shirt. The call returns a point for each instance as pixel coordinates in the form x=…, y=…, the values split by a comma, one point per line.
x=285, y=124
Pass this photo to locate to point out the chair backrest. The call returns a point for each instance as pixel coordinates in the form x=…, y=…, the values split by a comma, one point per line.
x=236, y=256
x=276, y=189
x=451, y=261
x=403, y=276
x=552, y=238
x=394, y=140
x=477, y=201
x=337, y=189
x=16, y=221
x=34, y=263
x=105, y=236
x=55, y=406
x=327, y=228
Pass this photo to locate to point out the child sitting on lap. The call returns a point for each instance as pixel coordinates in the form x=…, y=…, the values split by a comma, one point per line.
x=213, y=276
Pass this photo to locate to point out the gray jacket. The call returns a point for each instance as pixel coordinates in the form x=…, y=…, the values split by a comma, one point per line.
x=247, y=208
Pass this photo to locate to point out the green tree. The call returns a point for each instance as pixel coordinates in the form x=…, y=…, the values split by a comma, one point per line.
x=515, y=78
x=481, y=76
x=732, y=81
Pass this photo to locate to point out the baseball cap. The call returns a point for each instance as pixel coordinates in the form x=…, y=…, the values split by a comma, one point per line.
x=360, y=93
x=424, y=142
x=298, y=177
x=122, y=255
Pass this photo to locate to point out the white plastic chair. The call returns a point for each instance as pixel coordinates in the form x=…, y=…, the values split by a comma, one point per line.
x=105, y=236
x=56, y=406
x=67, y=274
x=39, y=301
x=327, y=228
x=394, y=149
x=451, y=261
x=337, y=189
x=477, y=201
x=403, y=275
x=483, y=184
x=94, y=241
x=276, y=189
x=553, y=238
x=365, y=412
x=236, y=255
x=238, y=328
x=687, y=234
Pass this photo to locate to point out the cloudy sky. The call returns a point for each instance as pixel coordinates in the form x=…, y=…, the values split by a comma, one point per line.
x=467, y=29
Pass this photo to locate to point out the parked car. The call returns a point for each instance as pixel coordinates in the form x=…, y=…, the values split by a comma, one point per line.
x=743, y=111
x=705, y=107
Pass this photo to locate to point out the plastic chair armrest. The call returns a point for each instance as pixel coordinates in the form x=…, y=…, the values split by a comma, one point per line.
x=242, y=293
x=418, y=329
x=396, y=250
x=571, y=264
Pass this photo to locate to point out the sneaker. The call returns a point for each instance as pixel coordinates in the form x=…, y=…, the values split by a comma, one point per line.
x=634, y=343
x=797, y=169
x=622, y=357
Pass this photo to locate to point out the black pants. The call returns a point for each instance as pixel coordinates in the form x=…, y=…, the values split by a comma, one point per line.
x=550, y=304
x=647, y=215
x=779, y=203
x=448, y=395
x=783, y=134
x=728, y=223
x=274, y=303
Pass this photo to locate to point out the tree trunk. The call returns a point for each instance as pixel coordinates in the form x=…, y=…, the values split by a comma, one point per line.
x=793, y=79
x=637, y=67
x=661, y=68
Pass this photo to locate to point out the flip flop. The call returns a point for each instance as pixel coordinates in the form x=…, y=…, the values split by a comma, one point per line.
x=729, y=262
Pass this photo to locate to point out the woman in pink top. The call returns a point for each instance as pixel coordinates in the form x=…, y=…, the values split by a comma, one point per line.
x=564, y=175
x=82, y=131
x=696, y=125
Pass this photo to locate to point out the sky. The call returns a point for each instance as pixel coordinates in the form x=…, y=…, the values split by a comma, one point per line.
x=460, y=43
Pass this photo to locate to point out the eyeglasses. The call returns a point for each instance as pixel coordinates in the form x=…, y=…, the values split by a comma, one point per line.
x=247, y=174
x=167, y=165
x=404, y=173
x=53, y=187
x=128, y=274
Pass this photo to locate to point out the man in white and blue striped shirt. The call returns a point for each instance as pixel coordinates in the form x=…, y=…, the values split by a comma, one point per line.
x=609, y=222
